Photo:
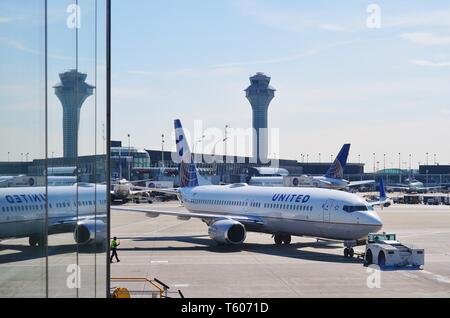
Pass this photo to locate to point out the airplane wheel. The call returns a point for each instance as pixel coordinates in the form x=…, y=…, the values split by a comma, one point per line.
x=351, y=252
x=33, y=240
x=381, y=260
x=369, y=257
x=42, y=241
x=278, y=239
x=346, y=252
x=287, y=239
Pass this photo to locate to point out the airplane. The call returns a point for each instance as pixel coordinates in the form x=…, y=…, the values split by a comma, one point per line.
x=412, y=186
x=230, y=211
x=333, y=179
x=383, y=201
x=22, y=213
x=123, y=189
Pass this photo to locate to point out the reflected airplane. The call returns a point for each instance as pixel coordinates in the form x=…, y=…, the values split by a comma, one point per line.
x=333, y=179
x=231, y=210
x=123, y=189
x=80, y=209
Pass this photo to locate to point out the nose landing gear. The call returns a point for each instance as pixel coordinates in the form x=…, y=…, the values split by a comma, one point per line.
x=349, y=252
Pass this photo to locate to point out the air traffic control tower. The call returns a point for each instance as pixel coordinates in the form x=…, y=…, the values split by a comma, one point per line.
x=72, y=92
x=260, y=94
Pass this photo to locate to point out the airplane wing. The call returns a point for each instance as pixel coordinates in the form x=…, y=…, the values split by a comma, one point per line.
x=165, y=191
x=143, y=180
x=246, y=220
x=382, y=202
x=360, y=183
x=431, y=188
x=56, y=225
x=395, y=187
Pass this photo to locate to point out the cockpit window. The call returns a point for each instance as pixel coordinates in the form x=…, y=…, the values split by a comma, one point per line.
x=354, y=208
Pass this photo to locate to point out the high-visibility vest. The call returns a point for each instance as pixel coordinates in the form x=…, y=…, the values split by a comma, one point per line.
x=114, y=244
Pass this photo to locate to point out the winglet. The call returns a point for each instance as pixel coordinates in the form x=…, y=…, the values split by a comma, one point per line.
x=382, y=190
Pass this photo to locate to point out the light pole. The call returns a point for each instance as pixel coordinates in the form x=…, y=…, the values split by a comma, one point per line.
x=21, y=156
x=359, y=158
x=400, y=167
x=225, y=140
x=8, y=155
x=307, y=158
x=374, y=159
x=384, y=161
x=410, y=166
x=331, y=158
x=427, y=157
x=320, y=159
x=162, y=150
x=435, y=159
x=129, y=157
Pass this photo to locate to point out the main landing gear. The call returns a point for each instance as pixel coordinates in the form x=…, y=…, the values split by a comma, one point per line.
x=280, y=239
x=37, y=240
x=349, y=252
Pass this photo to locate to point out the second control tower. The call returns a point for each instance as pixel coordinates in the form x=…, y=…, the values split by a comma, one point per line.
x=72, y=92
x=260, y=94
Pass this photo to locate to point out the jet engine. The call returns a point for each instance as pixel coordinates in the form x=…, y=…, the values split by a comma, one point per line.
x=90, y=232
x=227, y=232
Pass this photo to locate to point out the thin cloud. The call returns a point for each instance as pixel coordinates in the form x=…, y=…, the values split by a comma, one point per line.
x=17, y=45
x=426, y=38
x=410, y=20
x=291, y=21
x=429, y=63
x=332, y=27
x=6, y=19
x=233, y=68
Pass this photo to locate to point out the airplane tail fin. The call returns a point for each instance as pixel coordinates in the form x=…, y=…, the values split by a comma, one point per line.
x=382, y=190
x=189, y=176
x=336, y=170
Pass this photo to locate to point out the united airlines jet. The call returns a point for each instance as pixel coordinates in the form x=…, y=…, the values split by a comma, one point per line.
x=231, y=211
x=80, y=209
x=333, y=179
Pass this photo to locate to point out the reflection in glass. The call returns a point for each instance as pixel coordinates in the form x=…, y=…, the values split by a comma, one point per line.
x=52, y=171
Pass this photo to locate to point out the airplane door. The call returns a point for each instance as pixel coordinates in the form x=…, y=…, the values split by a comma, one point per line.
x=327, y=208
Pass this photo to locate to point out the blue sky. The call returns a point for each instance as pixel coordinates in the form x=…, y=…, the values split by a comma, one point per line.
x=384, y=90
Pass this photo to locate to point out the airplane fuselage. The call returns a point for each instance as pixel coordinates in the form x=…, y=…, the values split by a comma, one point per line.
x=23, y=210
x=303, y=181
x=295, y=211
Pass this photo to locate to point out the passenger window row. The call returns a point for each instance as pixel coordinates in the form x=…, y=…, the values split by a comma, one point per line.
x=57, y=205
x=290, y=207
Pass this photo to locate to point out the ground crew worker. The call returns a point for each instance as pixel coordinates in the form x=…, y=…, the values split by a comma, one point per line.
x=114, y=244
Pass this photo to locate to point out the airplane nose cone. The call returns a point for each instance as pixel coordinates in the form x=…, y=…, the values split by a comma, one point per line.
x=374, y=220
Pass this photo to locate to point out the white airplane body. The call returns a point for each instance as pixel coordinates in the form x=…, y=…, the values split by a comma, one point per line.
x=124, y=189
x=232, y=210
x=413, y=186
x=77, y=208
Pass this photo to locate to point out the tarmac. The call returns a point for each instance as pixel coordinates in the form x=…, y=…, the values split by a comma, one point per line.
x=181, y=254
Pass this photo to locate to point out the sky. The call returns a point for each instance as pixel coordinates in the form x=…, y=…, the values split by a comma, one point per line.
x=384, y=90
